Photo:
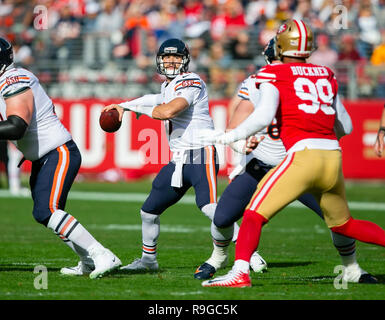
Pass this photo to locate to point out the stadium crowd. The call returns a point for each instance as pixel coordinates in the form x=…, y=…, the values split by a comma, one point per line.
x=107, y=48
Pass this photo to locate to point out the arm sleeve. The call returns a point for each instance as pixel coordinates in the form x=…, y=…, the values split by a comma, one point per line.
x=343, y=123
x=261, y=117
x=13, y=128
x=148, y=100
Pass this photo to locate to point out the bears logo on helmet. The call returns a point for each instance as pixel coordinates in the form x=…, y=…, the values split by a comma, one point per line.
x=173, y=47
x=294, y=39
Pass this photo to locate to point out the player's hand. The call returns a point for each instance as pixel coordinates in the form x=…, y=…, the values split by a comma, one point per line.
x=252, y=143
x=117, y=107
x=379, y=145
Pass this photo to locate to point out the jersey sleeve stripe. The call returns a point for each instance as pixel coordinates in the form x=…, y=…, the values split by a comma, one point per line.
x=6, y=87
x=180, y=88
x=243, y=93
x=187, y=79
x=265, y=74
x=8, y=95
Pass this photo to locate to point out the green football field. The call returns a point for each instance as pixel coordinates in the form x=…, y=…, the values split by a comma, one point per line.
x=296, y=245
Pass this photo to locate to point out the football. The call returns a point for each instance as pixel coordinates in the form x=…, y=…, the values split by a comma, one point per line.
x=109, y=120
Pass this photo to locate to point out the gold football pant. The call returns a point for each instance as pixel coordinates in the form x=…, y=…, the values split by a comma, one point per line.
x=314, y=171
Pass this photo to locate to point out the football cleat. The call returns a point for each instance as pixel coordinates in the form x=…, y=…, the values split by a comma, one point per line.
x=105, y=262
x=257, y=263
x=355, y=274
x=141, y=265
x=80, y=270
x=368, y=279
x=204, y=271
x=234, y=279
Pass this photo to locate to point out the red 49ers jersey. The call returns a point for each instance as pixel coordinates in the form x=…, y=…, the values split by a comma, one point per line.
x=307, y=92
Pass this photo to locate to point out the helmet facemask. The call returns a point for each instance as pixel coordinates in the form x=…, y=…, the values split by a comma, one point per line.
x=173, y=68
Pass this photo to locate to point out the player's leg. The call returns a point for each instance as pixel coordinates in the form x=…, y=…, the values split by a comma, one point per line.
x=202, y=171
x=230, y=208
x=280, y=186
x=51, y=179
x=336, y=212
x=161, y=197
x=345, y=246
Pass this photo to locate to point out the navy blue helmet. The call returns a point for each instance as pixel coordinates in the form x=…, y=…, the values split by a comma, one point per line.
x=6, y=54
x=269, y=52
x=173, y=47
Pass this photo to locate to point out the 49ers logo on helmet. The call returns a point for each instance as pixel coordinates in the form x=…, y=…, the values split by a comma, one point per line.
x=282, y=28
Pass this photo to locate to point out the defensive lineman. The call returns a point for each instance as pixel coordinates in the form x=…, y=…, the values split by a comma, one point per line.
x=253, y=167
x=311, y=118
x=27, y=117
x=183, y=105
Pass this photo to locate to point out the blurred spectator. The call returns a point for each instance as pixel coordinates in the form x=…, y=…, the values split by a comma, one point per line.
x=22, y=53
x=284, y=10
x=199, y=58
x=229, y=21
x=108, y=25
x=377, y=68
x=369, y=34
x=65, y=35
x=324, y=55
x=348, y=51
x=260, y=8
x=240, y=47
x=305, y=12
x=378, y=56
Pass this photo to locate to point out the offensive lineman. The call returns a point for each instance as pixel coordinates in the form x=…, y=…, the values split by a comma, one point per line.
x=303, y=97
x=183, y=105
x=253, y=167
x=28, y=119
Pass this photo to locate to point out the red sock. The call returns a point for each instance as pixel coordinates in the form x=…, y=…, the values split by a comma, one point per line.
x=249, y=234
x=362, y=230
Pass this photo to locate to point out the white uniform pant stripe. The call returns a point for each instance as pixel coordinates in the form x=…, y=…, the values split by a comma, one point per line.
x=61, y=176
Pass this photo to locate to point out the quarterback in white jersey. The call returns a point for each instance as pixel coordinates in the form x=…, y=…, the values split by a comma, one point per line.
x=183, y=105
x=28, y=119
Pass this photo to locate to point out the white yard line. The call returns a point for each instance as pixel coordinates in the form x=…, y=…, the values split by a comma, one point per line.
x=187, y=199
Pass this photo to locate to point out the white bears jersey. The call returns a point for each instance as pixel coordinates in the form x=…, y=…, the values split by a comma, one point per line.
x=45, y=131
x=270, y=150
x=183, y=129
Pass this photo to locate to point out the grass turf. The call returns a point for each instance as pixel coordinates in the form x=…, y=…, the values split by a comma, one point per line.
x=296, y=244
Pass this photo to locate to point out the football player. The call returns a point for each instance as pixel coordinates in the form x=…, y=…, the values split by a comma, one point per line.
x=28, y=119
x=311, y=119
x=183, y=106
x=253, y=167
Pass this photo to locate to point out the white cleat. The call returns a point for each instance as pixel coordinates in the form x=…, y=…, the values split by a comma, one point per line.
x=105, y=262
x=354, y=274
x=257, y=263
x=141, y=265
x=80, y=270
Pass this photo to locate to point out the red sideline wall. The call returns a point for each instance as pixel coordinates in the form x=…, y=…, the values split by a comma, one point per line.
x=140, y=146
